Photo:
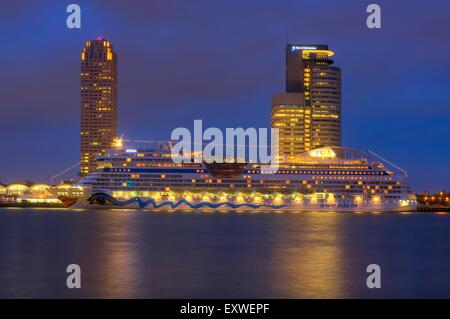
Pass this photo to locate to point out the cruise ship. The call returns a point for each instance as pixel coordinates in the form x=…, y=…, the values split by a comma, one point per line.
x=324, y=179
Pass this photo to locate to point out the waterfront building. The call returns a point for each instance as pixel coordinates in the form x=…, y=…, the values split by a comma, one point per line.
x=315, y=87
x=98, y=101
x=27, y=192
x=17, y=188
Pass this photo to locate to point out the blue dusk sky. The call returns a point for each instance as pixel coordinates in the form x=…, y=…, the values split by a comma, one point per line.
x=221, y=61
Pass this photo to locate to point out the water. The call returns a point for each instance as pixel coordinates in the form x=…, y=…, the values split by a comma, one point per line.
x=125, y=253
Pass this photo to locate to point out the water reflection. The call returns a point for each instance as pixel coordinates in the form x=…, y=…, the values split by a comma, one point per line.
x=112, y=267
x=310, y=261
x=222, y=254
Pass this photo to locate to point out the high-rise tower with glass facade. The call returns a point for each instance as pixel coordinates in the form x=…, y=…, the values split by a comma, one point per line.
x=98, y=101
x=309, y=113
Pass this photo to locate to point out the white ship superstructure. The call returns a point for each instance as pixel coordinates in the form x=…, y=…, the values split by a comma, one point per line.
x=324, y=179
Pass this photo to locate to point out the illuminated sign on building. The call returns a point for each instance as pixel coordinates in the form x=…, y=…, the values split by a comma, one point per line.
x=296, y=48
x=325, y=152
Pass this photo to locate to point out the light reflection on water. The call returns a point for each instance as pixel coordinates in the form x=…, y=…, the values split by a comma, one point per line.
x=313, y=269
x=119, y=259
x=127, y=253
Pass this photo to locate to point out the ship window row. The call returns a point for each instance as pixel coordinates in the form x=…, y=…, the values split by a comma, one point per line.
x=146, y=176
x=349, y=178
x=324, y=187
x=330, y=172
x=175, y=179
x=145, y=161
x=389, y=183
x=140, y=176
x=141, y=159
x=159, y=186
x=329, y=166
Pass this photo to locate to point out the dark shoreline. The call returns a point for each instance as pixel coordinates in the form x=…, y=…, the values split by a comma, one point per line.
x=32, y=205
x=432, y=209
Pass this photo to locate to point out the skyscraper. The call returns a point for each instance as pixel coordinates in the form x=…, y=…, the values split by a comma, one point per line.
x=309, y=113
x=98, y=101
x=288, y=115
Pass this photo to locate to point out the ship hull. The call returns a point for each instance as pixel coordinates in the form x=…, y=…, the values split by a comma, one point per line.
x=106, y=201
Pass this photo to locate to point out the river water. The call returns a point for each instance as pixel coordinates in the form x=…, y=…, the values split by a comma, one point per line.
x=137, y=254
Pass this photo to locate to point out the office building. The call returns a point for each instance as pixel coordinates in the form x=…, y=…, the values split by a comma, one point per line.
x=98, y=101
x=309, y=112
